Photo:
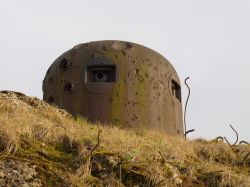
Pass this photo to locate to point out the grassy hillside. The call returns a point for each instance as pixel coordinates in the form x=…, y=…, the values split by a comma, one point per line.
x=41, y=145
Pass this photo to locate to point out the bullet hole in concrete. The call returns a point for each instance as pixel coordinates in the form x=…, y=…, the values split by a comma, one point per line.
x=65, y=64
x=124, y=52
x=134, y=117
x=51, y=81
x=51, y=99
x=68, y=87
x=141, y=80
x=136, y=71
x=176, y=90
x=116, y=119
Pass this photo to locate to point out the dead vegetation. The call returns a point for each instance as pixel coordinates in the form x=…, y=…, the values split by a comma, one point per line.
x=72, y=152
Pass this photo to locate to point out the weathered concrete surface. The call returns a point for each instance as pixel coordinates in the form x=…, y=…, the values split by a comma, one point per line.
x=118, y=83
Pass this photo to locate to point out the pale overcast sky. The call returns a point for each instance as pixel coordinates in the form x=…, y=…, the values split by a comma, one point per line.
x=208, y=40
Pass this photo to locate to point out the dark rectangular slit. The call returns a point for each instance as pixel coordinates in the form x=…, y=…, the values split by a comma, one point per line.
x=176, y=90
x=101, y=73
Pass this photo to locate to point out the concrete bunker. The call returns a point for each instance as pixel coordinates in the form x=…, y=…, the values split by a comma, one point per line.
x=119, y=83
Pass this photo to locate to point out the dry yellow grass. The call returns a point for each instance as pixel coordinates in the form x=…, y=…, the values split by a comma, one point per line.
x=31, y=130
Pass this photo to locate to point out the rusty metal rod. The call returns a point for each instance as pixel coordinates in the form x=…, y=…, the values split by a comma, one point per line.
x=185, y=110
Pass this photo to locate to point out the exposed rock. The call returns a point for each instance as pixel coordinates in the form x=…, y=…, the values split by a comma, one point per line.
x=18, y=173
